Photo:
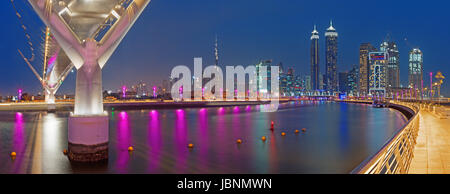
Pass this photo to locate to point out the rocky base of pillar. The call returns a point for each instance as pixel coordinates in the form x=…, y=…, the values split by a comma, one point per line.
x=51, y=107
x=88, y=153
x=88, y=138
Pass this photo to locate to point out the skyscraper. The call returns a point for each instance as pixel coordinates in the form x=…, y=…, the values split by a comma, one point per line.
x=415, y=68
x=331, y=41
x=343, y=82
x=352, y=80
x=377, y=78
x=393, y=65
x=315, y=59
x=364, y=68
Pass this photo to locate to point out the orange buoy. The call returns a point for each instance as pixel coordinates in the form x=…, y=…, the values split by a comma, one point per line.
x=239, y=141
x=65, y=151
x=304, y=129
x=130, y=149
x=263, y=138
x=190, y=145
x=283, y=133
x=297, y=131
x=13, y=154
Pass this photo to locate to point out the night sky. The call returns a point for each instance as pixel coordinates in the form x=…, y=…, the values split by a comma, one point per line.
x=172, y=32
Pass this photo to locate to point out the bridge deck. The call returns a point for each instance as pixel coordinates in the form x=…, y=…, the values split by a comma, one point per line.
x=432, y=151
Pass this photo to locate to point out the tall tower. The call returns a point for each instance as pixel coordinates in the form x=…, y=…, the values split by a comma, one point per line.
x=415, y=68
x=393, y=64
x=364, y=68
x=377, y=75
x=314, y=59
x=331, y=41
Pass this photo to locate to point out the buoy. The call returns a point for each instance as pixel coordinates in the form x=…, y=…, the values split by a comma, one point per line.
x=296, y=131
x=130, y=149
x=271, y=125
x=190, y=145
x=13, y=154
x=65, y=151
x=263, y=138
x=304, y=129
x=239, y=141
x=283, y=133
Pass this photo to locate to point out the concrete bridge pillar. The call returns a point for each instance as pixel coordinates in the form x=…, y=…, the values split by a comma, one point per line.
x=88, y=130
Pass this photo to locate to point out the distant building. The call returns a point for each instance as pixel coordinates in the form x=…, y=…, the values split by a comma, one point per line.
x=166, y=86
x=141, y=89
x=261, y=78
x=352, y=81
x=415, y=68
x=321, y=82
x=343, y=82
x=377, y=79
x=331, y=41
x=283, y=80
x=290, y=82
x=364, y=68
x=307, y=83
x=315, y=60
x=393, y=66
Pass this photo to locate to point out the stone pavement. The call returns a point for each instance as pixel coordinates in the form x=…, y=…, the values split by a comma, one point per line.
x=432, y=151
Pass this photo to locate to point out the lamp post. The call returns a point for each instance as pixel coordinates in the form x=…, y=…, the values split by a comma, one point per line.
x=440, y=81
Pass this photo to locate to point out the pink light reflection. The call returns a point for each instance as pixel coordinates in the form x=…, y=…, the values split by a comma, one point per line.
x=154, y=141
x=236, y=110
x=123, y=141
x=181, y=141
x=19, y=141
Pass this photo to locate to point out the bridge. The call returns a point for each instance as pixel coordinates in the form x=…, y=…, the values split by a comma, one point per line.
x=89, y=33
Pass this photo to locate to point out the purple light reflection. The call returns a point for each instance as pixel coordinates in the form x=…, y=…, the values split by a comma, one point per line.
x=154, y=141
x=18, y=141
x=236, y=110
x=221, y=111
x=181, y=140
x=203, y=135
x=123, y=141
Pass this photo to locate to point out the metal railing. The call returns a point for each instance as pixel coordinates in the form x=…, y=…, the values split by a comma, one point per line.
x=396, y=155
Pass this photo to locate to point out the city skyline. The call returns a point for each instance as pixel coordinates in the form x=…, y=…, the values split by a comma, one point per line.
x=224, y=87
x=237, y=47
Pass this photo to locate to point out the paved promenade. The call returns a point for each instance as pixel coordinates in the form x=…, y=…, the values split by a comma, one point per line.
x=432, y=151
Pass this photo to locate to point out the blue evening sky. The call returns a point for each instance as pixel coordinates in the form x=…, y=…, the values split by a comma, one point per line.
x=172, y=32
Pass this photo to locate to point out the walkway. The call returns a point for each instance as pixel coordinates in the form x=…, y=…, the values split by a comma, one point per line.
x=432, y=151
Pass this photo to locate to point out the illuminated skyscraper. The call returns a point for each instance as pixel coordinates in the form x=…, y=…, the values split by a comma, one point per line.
x=315, y=59
x=415, y=68
x=364, y=68
x=377, y=78
x=331, y=75
x=393, y=66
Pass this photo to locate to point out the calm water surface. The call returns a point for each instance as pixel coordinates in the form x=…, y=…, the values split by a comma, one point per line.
x=339, y=137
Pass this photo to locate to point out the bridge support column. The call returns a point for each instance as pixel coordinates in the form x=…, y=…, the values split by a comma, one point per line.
x=49, y=97
x=88, y=138
x=50, y=100
x=88, y=133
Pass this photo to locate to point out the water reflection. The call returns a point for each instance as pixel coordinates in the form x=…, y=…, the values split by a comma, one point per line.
x=154, y=141
x=123, y=141
x=19, y=142
x=339, y=136
x=181, y=140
